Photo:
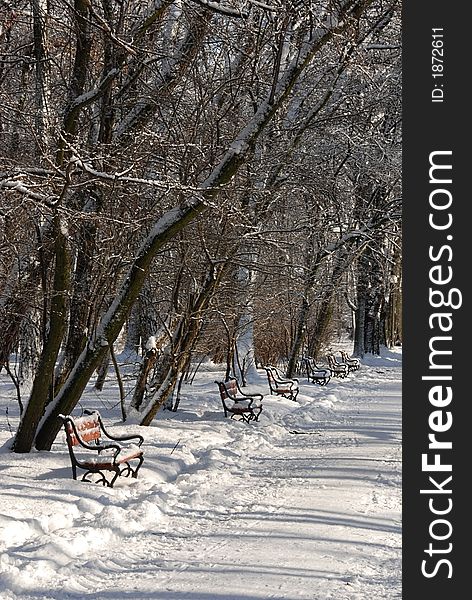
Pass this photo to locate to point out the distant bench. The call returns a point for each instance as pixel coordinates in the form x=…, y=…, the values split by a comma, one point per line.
x=339, y=369
x=237, y=404
x=354, y=364
x=280, y=385
x=315, y=373
x=97, y=452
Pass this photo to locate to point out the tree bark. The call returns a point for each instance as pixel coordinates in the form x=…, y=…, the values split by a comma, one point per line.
x=299, y=337
x=42, y=389
x=81, y=303
x=140, y=388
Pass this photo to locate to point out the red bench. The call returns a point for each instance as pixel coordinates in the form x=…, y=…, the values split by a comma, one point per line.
x=281, y=386
x=241, y=406
x=97, y=452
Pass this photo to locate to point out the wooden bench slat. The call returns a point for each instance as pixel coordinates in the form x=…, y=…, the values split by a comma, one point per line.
x=107, y=453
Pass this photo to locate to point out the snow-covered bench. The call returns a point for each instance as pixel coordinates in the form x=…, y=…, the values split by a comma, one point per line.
x=315, y=373
x=280, y=385
x=352, y=363
x=241, y=406
x=338, y=369
x=97, y=452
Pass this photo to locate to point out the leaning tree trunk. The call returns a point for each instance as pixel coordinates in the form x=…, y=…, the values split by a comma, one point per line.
x=42, y=389
x=111, y=323
x=80, y=303
x=176, y=357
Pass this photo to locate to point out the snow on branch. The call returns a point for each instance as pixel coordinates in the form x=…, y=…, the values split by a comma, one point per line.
x=91, y=95
x=222, y=9
x=123, y=177
x=312, y=43
x=21, y=188
x=105, y=27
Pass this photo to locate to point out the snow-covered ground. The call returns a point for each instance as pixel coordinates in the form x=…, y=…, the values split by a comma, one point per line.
x=305, y=504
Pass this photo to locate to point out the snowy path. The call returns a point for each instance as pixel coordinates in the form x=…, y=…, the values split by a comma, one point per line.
x=284, y=539
x=305, y=504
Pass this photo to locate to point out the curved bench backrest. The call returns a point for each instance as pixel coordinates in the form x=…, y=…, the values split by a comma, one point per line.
x=85, y=429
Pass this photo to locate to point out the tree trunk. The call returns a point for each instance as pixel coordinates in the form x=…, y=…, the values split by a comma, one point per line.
x=42, y=389
x=20, y=288
x=319, y=334
x=133, y=331
x=299, y=337
x=29, y=346
x=363, y=266
x=245, y=327
x=359, y=333
x=111, y=323
x=141, y=383
x=102, y=371
x=393, y=317
x=81, y=303
x=177, y=356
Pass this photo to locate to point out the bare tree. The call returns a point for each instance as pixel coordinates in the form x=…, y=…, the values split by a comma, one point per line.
x=162, y=113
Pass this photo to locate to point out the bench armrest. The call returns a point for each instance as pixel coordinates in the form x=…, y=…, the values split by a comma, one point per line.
x=124, y=438
x=104, y=447
x=245, y=395
x=121, y=438
x=248, y=402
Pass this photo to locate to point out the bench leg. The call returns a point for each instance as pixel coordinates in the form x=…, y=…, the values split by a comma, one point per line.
x=255, y=413
x=239, y=417
x=101, y=477
x=115, y=477
x=248, y=416
x=128, y=470
x=135, y=473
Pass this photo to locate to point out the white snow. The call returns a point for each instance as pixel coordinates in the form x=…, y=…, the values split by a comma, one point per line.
x=151, y=344
x=304, y=504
